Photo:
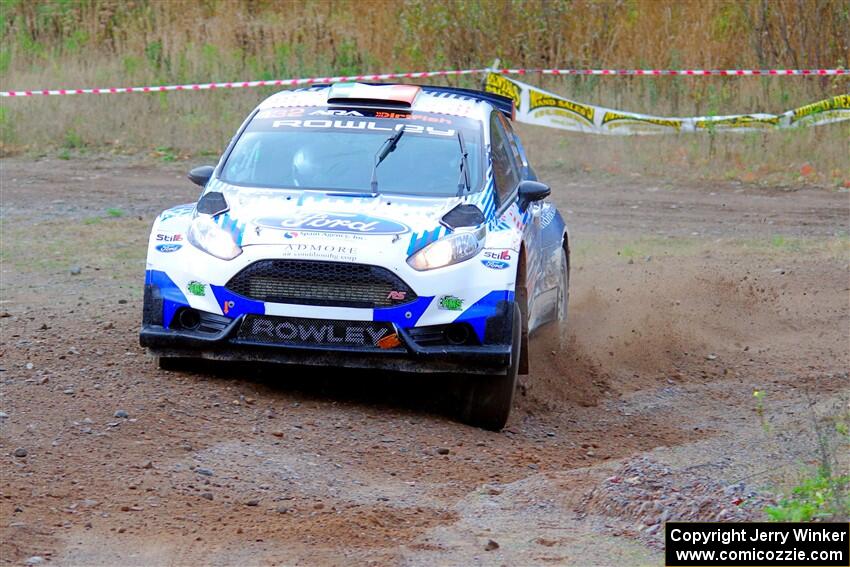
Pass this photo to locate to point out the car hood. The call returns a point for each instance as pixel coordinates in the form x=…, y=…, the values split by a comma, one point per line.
x=276, y=216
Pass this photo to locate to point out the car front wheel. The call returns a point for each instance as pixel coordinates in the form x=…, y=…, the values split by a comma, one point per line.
x=488, y=399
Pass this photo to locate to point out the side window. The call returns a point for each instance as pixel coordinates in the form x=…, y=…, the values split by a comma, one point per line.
x=504, y=169
x=512, y=137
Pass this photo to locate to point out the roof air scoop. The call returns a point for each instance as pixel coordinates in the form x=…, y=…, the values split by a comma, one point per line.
x=401, y=96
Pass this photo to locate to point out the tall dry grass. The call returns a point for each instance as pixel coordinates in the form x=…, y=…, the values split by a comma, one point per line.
x=71, y=43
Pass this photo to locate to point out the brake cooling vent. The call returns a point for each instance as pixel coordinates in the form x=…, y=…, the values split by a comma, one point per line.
x=312, y=282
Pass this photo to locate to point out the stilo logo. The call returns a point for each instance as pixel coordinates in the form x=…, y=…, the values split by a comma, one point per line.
x=397, y=295
x=349, y=223
x=498, y=254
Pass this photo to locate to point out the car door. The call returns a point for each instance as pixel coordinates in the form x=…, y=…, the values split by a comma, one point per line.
x=509, y=169
x=542, y=243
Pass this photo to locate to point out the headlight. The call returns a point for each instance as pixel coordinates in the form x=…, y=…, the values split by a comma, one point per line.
x=205, y=234
x=450, y=250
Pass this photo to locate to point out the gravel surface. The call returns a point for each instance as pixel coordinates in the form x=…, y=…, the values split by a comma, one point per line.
x=685, y=299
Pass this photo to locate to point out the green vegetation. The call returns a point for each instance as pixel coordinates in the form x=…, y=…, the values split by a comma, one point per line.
x=70, y=43
x=823, y=491
x=819, y=497
x=112, y=244
x=645, y=248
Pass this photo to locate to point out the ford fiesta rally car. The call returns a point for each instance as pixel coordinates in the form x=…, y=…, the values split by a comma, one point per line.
x=380, y=226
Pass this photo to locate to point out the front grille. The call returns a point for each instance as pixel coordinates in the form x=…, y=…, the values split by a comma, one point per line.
x=312, y=282
x=316, y=332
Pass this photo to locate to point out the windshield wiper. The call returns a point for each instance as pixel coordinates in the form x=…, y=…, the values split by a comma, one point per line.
x=386, y=149
x=463, y=180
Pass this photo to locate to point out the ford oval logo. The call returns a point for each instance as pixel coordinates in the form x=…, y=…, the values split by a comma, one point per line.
x=334, y=222
x=168, y=247
x=495, y=264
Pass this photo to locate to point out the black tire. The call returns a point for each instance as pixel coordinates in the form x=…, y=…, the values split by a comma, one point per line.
x=169, y=363
x=489, y=399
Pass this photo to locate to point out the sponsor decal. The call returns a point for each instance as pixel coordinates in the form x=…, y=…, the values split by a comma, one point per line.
x=169, y=237
x=498, y=254
x=629, y=119
x=345, y=223
x=451, y=303
x=364, y=125
x=495, y=264
x=197, y=288
x=334, y=112
x=737, y=122
x=538, y=99
x=280, y=113
x=547, y=217
x=166, y=248
x=397, y=295
x=226, y=306
x=290, y=235
x=325, y=251
x=501, y=85
x=419, y=117
x=840, y=102
x=320, y=332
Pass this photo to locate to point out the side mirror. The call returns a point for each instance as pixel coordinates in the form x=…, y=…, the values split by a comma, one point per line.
x=200, y=175
x=531, y=191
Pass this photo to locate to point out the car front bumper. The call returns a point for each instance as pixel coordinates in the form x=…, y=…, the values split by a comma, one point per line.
x=408, y=356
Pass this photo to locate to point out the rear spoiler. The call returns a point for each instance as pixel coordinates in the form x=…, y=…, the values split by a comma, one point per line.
x=501, y=103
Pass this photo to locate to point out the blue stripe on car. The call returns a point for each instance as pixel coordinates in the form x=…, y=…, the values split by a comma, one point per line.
x=233, y=305
x=406, y=315
x=172, y=297
x=231, y=225
x=485, y=307
x=419, y=240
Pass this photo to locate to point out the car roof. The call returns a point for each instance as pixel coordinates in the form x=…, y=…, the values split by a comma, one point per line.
x=392, y=97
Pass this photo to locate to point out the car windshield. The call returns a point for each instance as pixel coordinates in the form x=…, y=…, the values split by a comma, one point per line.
x=330, y=149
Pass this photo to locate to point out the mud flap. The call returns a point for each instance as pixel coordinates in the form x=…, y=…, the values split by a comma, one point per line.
x=522, y=301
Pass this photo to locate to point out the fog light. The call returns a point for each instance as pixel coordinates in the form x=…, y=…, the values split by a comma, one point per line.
x=457, y=334
x=189, y=319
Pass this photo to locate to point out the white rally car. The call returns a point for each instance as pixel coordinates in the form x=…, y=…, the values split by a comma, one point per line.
x=381, y=226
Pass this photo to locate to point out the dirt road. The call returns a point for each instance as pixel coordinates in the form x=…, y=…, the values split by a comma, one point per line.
x=685, y=299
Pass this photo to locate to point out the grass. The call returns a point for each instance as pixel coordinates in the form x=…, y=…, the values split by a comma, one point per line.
x=114, y=243
x=835, y=248
x=62, y=43
x=808, y=156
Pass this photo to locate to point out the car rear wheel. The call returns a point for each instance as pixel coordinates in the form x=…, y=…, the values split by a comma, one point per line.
x=488, y=399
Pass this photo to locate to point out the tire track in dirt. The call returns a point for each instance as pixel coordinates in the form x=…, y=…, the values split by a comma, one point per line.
x=363, y=466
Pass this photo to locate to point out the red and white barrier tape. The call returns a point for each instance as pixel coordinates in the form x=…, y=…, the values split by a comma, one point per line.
x=426, y=74
x=246, y=84
x=680, y=72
